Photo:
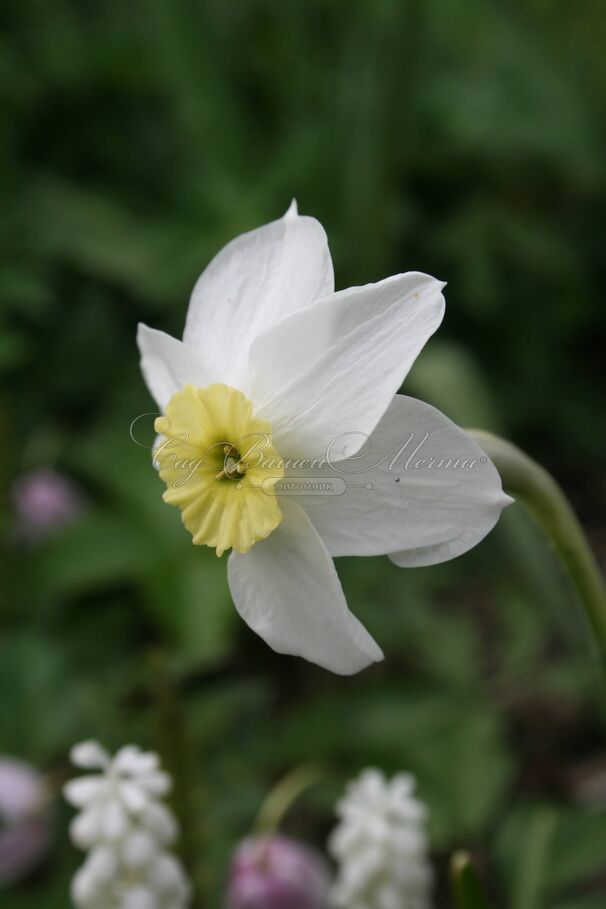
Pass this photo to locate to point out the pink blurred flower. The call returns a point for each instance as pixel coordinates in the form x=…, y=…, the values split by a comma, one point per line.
x=45, y=500
x=273, y=872
x=25, y=822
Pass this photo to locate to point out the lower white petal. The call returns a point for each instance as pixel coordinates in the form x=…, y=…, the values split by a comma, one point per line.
x=287, y=590
x=420, y=488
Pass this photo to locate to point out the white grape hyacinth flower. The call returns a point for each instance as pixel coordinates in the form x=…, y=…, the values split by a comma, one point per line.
x=380, y=846
x=126, y=829
x=283, y=438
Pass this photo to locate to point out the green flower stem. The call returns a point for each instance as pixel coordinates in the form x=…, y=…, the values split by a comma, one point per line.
x=466, y=888
x=530, y=484
x=284, y=793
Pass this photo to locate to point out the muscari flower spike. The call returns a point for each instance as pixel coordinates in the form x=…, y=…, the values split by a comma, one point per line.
x=126, y=829
x=380, y=845
x=279, y=384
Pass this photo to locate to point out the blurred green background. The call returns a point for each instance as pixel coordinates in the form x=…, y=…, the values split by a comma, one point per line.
x=463, y=139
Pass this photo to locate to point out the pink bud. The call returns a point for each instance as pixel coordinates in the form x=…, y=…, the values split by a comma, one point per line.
x=24, y=820
x=273, y=872
x=44, y=500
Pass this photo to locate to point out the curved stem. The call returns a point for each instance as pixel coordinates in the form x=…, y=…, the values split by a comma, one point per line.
x=530, y=484
x=284, y=793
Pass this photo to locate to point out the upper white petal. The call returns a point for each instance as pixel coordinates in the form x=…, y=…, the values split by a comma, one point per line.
x=253, y=282
x=420, y=487
x=168, y=364
x=89, y=755
x=333, y=368
x=287, y=590
x=130, y=759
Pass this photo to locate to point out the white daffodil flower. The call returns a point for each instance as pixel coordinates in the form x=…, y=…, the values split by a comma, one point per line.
x=283, y=437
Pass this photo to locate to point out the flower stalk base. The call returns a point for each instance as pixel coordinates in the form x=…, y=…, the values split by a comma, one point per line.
x=536, y=489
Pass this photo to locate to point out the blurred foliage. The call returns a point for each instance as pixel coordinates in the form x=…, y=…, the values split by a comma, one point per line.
x=462, y=139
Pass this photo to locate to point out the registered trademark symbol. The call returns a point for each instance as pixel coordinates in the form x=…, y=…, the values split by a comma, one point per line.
x=483, y=459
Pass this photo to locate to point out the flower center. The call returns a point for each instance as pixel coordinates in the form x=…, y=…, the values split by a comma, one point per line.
x=219, y=466
x=235, y=467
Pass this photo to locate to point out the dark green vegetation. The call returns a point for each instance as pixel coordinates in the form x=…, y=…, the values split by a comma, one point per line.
x=463, y=139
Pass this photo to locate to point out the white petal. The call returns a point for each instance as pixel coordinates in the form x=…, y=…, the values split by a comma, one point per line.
x=84, y=789
x=138, y=849
x=420, y=487
x=89, y=755
x=158, y=784
x=287, y=590
x=138, y=897
x=114, y=820
x=85, y=828
x=166, y=874
x=254, y=281
x=131, y=760
x=160, y=822
x=167, y=364
x=85, y=889
x=329, y=372
x=126, y=760
x=102, y=864
x=133, y=795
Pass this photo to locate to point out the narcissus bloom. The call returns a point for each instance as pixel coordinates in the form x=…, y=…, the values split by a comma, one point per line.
x=283, y=437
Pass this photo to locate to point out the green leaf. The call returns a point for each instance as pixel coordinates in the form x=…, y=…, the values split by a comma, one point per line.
x=97, y=551
x=544, y=850
x=529, y=882
x=189, y=600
